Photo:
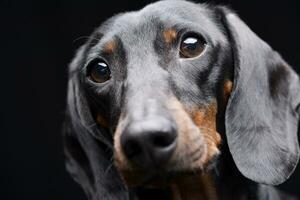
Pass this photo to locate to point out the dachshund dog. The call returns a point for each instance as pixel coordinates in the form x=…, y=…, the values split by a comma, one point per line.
x=180, y=101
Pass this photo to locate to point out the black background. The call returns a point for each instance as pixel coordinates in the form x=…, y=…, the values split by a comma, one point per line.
x=37, y=41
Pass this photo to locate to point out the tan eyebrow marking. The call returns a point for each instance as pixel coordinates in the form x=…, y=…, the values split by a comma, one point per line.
x=110, y=46
x=170, y=35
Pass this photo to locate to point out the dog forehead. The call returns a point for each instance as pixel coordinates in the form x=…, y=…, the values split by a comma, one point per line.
x=179, y=8
x=137, y=31
x=155, y=16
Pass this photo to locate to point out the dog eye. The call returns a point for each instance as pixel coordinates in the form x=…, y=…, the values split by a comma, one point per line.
x=98, y=71
x=191, y=47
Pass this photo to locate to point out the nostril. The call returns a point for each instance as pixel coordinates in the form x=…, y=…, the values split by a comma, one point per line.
x=162, y=140
x=131, y=147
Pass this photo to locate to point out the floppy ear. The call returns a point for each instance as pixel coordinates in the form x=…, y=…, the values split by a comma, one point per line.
x=262, y=114
x=88, y=152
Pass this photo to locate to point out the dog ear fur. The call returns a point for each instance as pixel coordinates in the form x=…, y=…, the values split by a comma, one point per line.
x=261, y=116
x=88, y=153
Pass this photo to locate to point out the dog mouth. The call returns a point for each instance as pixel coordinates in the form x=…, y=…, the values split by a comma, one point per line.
x=185, y=162
x=161, y=179
x=168, y=174
x=184, y=177
x=179, y=185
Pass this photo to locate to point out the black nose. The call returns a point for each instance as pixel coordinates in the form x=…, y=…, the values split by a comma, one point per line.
x=149, y=143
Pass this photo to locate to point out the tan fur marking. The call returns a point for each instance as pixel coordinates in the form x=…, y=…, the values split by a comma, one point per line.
x=227, y=90
x=101, y=121
x=189, y=139
x=120, y=159
x=205, y=119
x=110, y=47
x=170, y=35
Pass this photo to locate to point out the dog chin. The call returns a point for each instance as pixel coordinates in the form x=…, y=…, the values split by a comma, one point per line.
x=161, y=178
x=181, y=185
x=157, y=179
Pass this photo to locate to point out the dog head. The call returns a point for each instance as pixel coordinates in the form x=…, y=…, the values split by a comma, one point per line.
x=153, y=94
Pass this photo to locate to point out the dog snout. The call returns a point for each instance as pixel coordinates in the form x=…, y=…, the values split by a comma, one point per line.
x=149, y=143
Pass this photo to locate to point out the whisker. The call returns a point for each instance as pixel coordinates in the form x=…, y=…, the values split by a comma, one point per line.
x=107, y=169
x=84, y=37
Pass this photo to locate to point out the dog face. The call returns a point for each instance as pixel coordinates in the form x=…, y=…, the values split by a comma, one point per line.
x=162, y=76
x=150, y=89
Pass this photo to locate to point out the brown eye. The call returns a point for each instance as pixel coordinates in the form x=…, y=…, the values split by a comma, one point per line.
x=98, y=71
x=191, y=47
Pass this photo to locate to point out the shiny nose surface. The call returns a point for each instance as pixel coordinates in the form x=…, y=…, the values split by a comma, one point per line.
x=149, y=143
